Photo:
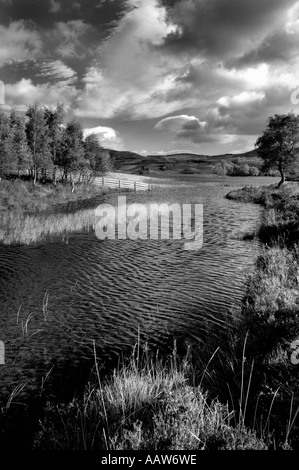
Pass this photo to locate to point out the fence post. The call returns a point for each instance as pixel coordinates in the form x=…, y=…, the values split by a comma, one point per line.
x=103, y=182
x=119, y=185
x=135, y=186
x=2, y=353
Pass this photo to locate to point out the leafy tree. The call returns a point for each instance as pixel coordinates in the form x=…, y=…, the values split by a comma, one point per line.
x=54, y=120
x=254, y=171
x=71, y=156
x=93, y=152
x=38, y=141
x=21, y=153
x=279, y=144
x=7, y=164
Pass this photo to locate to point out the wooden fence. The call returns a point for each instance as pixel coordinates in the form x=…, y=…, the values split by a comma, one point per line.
x=102, y=181
x=121, y=184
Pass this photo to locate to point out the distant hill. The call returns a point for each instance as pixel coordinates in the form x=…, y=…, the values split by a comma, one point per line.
x=184, y=163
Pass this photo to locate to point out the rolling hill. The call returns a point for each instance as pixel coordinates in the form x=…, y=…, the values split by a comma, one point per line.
x=184, y=163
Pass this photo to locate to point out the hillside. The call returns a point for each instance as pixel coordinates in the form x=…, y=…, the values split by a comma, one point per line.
x=184, y=163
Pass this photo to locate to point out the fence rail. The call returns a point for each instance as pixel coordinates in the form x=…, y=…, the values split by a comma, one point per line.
x=122, y=184
x=101, y=181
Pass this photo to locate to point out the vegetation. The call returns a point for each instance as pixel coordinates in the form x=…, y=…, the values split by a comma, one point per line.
x=239, y=167
x=41, y=145
x=29, y=213
x=279, y=144
x=145, y=405
x=238, y=393
x=271, y=304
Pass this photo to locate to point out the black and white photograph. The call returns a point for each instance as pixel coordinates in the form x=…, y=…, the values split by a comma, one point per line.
x=149, y=228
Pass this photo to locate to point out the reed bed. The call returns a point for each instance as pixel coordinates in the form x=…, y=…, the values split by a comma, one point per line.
x=17, y=228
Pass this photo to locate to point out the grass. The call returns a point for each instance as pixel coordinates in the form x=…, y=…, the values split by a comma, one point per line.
x=20, y=196
x=270, y=308
x=17, y=228
x=29, y=214
x=280, y=220
x=146, y=405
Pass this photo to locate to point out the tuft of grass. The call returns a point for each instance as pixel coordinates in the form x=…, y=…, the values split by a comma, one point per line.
x=145, y=405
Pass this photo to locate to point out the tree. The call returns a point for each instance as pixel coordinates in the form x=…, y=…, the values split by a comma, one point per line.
x=54, y=120
x=7, y=163
x=93, y=152
x=21, y=154
x=71, y=156
x=38, y=141
x=279, y=144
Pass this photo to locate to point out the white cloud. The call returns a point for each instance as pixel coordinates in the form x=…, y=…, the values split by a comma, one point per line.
x=176, y=123
x=132, y=75
x=107, y=136
x=292, y=25
x=18, y=42
x=58, y=71
x=24, y=93
x=243, y=98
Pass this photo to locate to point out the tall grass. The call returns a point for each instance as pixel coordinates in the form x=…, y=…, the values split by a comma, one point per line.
x=30, y=213
x=146, y=405
x=270, y=307
x=18, y=228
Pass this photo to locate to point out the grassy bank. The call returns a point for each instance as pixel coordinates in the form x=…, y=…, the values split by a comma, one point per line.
x=23, y=197
x=29, y=213
x=270, y=308
x=280, y=219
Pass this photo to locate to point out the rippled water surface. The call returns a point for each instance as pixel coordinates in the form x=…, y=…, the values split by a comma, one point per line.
x=58, y=296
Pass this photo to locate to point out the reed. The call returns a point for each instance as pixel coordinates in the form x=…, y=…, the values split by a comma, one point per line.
x=147, y=404
x=23, y=229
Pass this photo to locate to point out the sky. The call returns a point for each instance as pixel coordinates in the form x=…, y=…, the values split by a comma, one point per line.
x=155, y=76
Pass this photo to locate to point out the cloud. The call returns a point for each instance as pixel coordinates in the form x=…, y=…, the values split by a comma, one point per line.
x=223, y=28
x=174, y=124
x=58, y=71
x=68, y=37
x=19, y=42
x=190, y=128
x=55, y=7
x=24, y=93
x=131, y=76
x=107, y=136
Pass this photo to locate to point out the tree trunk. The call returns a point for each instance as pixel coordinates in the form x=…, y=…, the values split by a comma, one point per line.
x=54, y=177
x=281, y=175
x=72, y=182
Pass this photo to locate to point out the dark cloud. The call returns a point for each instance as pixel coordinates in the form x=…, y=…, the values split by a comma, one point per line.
x=191, y=125
x=279, y=46
x=46, y=12
x=223, y=28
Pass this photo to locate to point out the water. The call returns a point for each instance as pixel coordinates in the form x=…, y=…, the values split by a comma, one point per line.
x=77, y=292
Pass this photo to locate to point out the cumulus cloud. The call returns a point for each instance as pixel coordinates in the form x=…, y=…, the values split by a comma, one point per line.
x=107, y=136
x=24, y=93
x=19, y=42
x=218, y=69
x=190, y=128
x=131, y=76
